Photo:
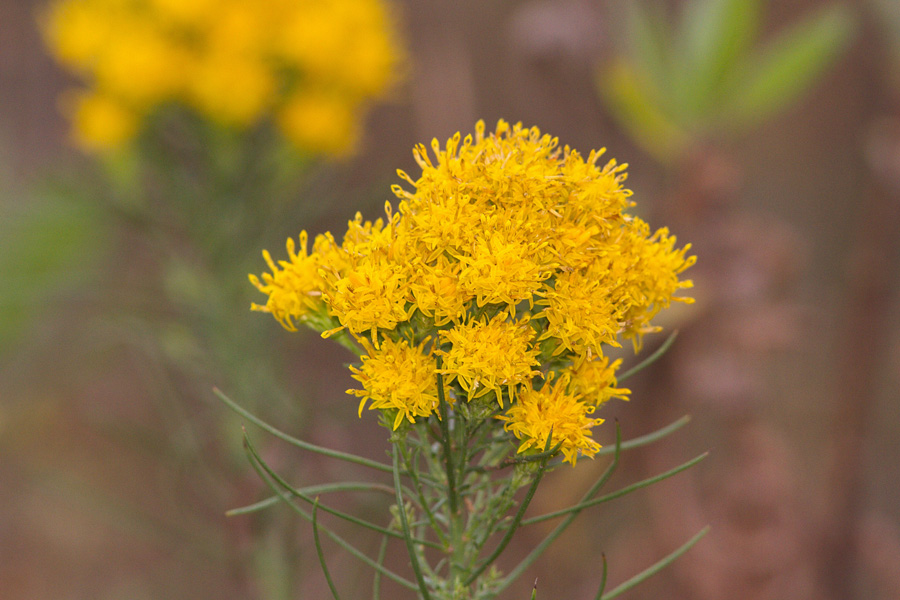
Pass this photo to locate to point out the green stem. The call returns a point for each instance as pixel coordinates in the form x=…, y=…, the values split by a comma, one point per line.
x=376, y=583
x=539, y=549
x=401, y=511
x=445, y=439
x=515, y=523
x=423, y=502
x=347, y=517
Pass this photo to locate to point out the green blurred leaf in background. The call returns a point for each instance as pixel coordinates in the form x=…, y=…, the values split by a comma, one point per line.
x=673, y=86
x=48, y=244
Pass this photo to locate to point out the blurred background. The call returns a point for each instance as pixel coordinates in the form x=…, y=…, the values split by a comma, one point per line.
x=767, y=134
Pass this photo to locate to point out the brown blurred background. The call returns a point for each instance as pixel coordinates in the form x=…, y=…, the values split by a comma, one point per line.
x=789, y=363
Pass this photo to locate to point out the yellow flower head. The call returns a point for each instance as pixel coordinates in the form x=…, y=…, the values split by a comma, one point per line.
x=397, y=376
x=99, y=122
x=511, y=260
x=295, y=290
x=537, y=413
x=595, y=381
x=488, y=356
x=308, y=67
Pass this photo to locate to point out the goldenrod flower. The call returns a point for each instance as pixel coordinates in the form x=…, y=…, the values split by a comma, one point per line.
x=99, y=122
x=309, y=67
x=397, y=377
x=537, y=413
x=488, y=356
x=295, y=290
x=514, y=261
x=595, y=381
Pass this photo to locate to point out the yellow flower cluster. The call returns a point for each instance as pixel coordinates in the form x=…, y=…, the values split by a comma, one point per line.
x=310, y=65
x=503, y=274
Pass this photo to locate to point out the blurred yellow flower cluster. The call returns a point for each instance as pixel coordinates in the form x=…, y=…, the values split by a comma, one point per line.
x=309, y=65
x=502, y=276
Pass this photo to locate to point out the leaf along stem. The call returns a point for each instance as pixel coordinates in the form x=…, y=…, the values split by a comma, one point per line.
x=335, y=537
x=657, y=567
x=321, y=555
x=557, y=531
x=297, y=442
x=299, y=494
x=602, y=587
x=650, y=437
x=325, y=488
x=619, y=493
x=650, y=359
x=516, y=520
x=401, y=511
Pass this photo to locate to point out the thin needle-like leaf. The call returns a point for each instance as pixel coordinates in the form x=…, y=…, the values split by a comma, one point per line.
x=619, y=493
x=413, y=474
x=649, y=438
x=656, y=568
x=315, y=526
x=376, y=583
x=516, y=520
x=650, y=359
x=557, y=531
x=401, y=511
x=600, y=591
x=335, y=537
x=299, y=494
x=313, y=490
x=359, y=460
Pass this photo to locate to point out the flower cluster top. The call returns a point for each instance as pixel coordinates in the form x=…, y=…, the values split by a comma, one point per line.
x=309, y=64
x=506, y=270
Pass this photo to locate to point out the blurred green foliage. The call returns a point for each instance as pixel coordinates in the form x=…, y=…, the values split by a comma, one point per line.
x=706, y=75
x=50, y=243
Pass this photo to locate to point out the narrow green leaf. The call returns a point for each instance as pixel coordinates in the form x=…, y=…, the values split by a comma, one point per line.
x=656, y=568
x=376, y=583
x=335, y=537
x=321, y=555
x=359, y=460
x=788, y=66
x=714, y=35
x=306, y=498
x=557, y=531
x=649, y=44
x=617, y=494
x=401, y=511
x=650, y=359
x=647, y=439
x=325, y=488
x=516, y=520
x=603, y=575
